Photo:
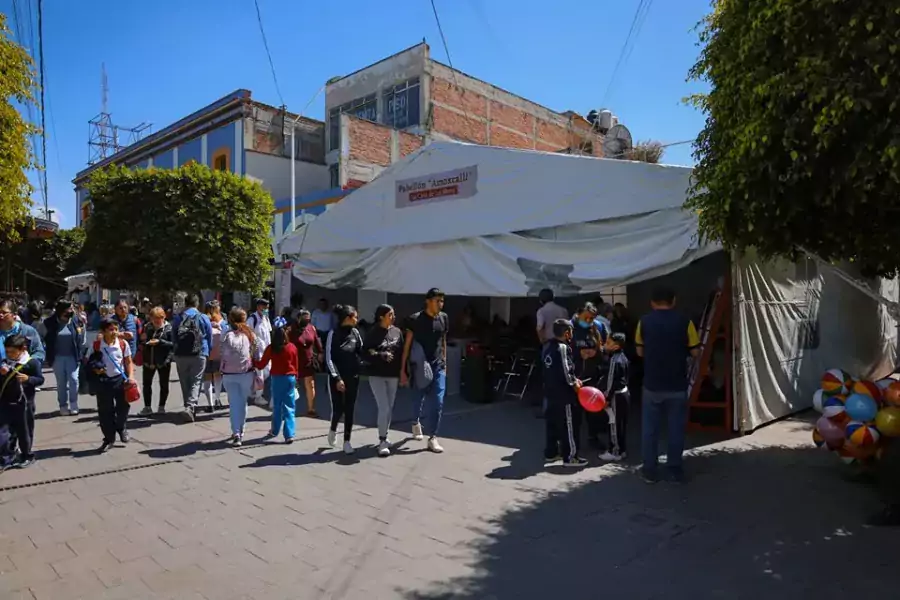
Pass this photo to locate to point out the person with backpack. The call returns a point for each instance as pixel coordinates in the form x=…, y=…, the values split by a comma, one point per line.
x=193, y=340
x=20, y=375
x=111, y=364
x=212, y=380
x=158, y=345
x=262, y=327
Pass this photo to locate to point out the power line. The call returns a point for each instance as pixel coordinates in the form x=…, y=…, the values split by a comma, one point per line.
x=40, y=11
x=443, y=37
x=639, y=14
x=268, y=53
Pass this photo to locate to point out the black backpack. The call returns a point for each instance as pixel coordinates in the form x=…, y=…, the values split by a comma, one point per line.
x=189, y=338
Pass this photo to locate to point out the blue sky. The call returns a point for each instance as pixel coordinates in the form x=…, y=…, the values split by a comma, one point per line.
x=167, y=58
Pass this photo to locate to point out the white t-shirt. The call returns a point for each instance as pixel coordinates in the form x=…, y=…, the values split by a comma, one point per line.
x=546, y=315
x=114, y=358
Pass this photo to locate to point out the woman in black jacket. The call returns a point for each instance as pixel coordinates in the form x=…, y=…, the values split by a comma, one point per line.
x=158, y=343
x=343, y=350
x=382, y=350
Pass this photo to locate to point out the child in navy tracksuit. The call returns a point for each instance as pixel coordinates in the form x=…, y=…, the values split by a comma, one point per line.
x=561, y=390
x=613, y=382
x=19, y=376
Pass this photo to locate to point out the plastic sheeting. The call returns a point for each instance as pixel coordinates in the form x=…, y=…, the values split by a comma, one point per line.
x=792, y=323
x=571, y=260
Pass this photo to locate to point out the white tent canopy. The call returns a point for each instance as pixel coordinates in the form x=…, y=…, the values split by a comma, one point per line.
x=485, y=221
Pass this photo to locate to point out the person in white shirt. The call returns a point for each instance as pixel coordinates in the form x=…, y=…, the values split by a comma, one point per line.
x=117, y=369
x=262, y=327
x=323, y=320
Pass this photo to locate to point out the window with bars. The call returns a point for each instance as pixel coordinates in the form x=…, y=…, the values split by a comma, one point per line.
x=401, y=104
x=362, y=108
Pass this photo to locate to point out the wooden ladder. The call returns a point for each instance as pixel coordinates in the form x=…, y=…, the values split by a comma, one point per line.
x=715, y=325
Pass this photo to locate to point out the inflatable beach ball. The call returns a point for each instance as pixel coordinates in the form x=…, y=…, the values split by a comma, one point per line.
x=884, y=383
x=835, y=382
x=892, y=393
x=819, y=400
x=818, y=440
x=861, y=435
x=861, y=408
x=868, y=388
x=887, y=421
x=833, y=407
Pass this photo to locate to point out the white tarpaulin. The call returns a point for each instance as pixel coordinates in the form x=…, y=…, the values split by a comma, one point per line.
x=795, y=321
x=483, y=221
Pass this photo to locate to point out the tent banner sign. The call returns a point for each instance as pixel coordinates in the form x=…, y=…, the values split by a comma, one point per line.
x=436, y=187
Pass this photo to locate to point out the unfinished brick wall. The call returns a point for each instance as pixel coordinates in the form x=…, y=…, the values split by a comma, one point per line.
x=458, y=126
x=370, y=142
x=409, y=143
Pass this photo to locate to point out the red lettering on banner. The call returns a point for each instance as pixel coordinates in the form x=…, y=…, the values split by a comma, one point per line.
x=450, y=190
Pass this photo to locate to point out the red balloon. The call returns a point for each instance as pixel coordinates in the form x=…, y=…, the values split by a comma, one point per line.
x=592, y=399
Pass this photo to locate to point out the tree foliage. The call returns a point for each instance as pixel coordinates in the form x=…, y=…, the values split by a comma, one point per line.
x=648, y=152
x=48, y=261
x=160, y=230
x=801, y=146
x=16, y=83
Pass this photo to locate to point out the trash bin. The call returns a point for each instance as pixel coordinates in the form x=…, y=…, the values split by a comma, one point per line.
x=476, y=386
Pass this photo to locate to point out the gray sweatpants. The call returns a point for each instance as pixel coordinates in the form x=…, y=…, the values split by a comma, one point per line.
x=190, y=375
x=385, y=391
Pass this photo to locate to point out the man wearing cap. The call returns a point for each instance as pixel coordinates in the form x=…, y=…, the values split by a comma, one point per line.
x=262, y=327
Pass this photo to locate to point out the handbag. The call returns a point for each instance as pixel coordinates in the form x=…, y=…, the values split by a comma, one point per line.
x=132, y=391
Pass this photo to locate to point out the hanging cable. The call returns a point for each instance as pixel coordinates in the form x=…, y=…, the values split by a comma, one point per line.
x=262, y=31
x=40, y=11
x=639, y=14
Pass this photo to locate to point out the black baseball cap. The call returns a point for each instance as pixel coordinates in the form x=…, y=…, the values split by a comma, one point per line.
x=434, y=293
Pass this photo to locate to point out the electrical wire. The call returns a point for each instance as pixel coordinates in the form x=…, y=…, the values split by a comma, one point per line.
x=639, y=15
x=262, y=31
x=40, y=16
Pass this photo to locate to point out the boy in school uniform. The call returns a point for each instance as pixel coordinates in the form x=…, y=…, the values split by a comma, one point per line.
x=613, y=382
x=561, y=390
x=20, y=375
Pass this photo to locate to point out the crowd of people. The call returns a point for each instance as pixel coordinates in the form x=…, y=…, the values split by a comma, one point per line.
x=246, y=358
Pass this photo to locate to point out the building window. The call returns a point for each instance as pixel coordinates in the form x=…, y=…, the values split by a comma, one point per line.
x=335, y=172
x=365, y=108
x=401, y=104
x=221, y=159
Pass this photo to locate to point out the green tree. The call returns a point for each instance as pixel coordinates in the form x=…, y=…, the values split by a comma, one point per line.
x=44, y=262
x=801, y=146
x=191, y=228
x=16, y=83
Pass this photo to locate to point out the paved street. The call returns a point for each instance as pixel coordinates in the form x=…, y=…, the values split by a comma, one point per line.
x=178, y=514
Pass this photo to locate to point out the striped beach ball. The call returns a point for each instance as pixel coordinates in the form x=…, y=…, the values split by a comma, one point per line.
x=884, y=383
x=861, y=435
x=868, y=388
x=818, y=440
x=835, y=382
x=833, y=407
x=818, y=400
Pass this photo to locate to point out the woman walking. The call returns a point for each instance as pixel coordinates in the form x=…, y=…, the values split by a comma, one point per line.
x=112, y=362
x=236, y=357
x=309, y=347
x=343, y=349
x=212, y=379
x=283, y=355
x=65, y=343
x=382, y=349
x=158, y=347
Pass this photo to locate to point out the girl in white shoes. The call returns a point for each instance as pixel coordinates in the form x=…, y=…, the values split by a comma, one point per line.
x=343, y=353
x=382, y=351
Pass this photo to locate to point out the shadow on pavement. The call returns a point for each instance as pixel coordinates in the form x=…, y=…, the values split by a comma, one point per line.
x=753, y=523
x=186, y=449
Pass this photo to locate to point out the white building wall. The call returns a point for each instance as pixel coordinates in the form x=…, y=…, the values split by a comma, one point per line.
x=275, y=174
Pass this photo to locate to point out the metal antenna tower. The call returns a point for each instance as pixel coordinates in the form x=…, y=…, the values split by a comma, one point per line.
x=104, y=138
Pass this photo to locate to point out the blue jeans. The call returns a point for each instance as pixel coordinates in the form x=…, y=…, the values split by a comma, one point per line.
x=433, y=396
x=284, y=400
x=654, y=404
x=238, y=388
x=65, y=368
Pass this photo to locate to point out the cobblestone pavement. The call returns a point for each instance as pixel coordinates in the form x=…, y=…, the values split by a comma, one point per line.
x=178, y=514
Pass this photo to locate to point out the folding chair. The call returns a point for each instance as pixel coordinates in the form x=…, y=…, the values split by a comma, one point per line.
x=521, y=369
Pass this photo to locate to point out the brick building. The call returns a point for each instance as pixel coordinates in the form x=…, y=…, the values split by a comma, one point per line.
x=385, y=111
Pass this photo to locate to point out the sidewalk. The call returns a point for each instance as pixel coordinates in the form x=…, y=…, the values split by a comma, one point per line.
x=178, y=514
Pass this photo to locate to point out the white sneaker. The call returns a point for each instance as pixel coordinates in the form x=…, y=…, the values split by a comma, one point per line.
x=348, y=448
x=384, y=448
x=611, y=456
x=236, y=440
x=64, y=412
x=417, y=432
x=261, y=402
x=434, y=445
x=332, y=438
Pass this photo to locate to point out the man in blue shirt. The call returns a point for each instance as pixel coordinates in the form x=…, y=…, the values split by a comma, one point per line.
x=193, y=339
x=127, y=325
x=10, y=326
